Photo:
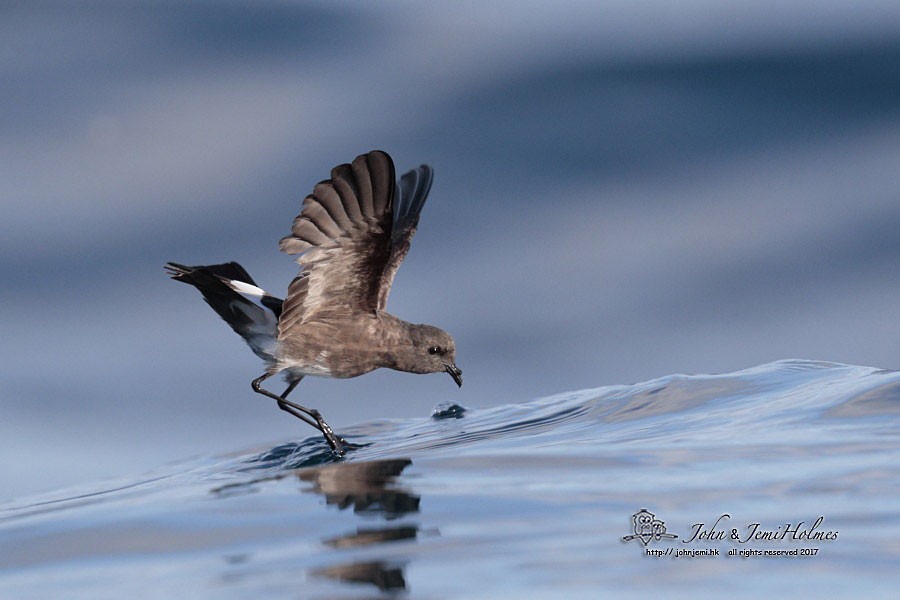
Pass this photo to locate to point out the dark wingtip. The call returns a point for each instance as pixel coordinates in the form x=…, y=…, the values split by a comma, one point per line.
x=414, y=187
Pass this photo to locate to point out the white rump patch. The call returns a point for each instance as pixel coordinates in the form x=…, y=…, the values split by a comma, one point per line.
x=245, y=288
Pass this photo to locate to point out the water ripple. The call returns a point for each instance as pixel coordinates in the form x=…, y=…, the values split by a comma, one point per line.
x=541, y=491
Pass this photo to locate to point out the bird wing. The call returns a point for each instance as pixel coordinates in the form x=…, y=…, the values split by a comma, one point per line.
x=413, y=190
x=351, y=240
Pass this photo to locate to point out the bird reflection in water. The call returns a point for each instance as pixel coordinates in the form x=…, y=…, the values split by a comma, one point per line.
x=366, y=486
x=369, y=487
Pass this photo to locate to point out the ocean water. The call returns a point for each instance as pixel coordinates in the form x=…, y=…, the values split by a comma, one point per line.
x=799, y=459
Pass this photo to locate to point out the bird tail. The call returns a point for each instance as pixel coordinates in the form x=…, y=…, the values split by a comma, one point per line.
x=250, y=311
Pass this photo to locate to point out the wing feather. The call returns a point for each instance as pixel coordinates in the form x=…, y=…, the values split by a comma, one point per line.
x=293, y=245
x=412, y=191
x=318, y=216
x=305, y=229
x=331, y=201
x=352, y=233
x=342, y=181
x=363, y=180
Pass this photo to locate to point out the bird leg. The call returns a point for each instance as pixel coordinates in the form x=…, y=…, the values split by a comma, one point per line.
x=300, y=412
x=335, y=442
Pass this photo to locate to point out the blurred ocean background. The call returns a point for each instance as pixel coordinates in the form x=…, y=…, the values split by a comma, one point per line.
x=623, y=190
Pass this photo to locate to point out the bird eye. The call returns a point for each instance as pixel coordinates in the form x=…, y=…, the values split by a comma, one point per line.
x=434, y=350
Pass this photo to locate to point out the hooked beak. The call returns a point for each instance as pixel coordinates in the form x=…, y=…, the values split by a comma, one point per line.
x=455, y=373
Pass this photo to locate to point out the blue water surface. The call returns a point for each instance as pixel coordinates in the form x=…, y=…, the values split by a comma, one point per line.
x=525, y=500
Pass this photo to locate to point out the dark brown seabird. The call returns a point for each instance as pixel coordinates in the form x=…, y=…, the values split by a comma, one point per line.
x=352, y=233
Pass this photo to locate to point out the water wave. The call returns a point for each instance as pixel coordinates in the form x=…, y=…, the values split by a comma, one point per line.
x=532, y=498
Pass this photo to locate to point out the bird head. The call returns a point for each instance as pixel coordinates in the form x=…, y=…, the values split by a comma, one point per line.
x=433, y=351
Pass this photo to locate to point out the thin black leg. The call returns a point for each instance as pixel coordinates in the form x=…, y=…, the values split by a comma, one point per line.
x=295, y=409
x=290, y=388
x=282, y=403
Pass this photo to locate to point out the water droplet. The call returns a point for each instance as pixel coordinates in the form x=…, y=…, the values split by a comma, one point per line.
x=447, y=410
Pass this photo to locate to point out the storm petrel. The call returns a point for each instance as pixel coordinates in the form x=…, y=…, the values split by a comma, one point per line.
x=351, y=235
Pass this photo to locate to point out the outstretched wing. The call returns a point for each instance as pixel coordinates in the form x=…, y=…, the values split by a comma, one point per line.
x=413, y=190
x=350, y=241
